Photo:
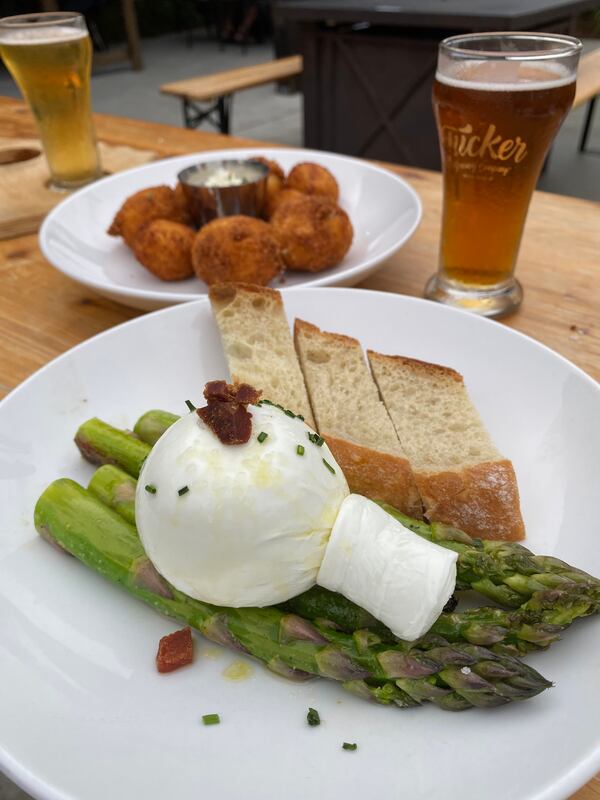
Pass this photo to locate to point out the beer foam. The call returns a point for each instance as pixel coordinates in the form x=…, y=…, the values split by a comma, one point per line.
x=506, y=76
x=40, y=35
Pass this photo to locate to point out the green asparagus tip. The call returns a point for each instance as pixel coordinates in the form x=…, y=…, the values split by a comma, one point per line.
x=349, y=746
x=211, y=719
x=190, y=405
x=313, y=717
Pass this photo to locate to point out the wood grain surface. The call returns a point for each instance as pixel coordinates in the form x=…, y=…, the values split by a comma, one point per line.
x=206, y=87
x=25, y=193
x=43, y=313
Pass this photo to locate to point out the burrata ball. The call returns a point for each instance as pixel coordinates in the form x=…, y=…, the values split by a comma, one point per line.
x=239, y=525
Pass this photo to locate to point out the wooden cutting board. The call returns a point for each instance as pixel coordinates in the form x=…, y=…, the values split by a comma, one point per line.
x=25, y=195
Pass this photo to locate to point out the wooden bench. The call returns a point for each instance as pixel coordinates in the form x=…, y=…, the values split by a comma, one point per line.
x=217, y=90
x=587, y=91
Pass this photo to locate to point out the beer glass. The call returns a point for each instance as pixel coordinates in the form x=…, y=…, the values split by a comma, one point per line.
x=49, y=56
x=499, y=99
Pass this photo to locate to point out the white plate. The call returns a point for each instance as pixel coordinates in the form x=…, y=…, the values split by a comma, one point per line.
x=384, y=210
x=83, y=713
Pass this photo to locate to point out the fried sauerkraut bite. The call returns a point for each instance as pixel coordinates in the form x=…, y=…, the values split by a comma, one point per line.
x=164, y=247
x=182, y=203
x=274, y=167
x=156, y=202
x=284, y=196
x=236, y=250
x=313, y=233
x=313, y=179
x=275, y=184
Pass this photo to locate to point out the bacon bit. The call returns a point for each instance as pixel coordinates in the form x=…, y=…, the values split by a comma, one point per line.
x=231, y=392
x=175, y=650
x=226, y=413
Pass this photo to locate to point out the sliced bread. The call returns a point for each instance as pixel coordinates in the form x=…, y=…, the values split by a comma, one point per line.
x=258, y=344
x=352, y=418
x=462, y=478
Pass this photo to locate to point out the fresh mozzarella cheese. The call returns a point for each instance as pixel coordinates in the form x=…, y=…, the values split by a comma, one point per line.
x=252, y=527
x=373, y=560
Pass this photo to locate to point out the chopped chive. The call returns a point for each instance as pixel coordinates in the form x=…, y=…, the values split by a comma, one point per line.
x=277, y=405
x=350, y=746
x=150, y=488
x=319, y=441
x=299, y=416
x=312, y=437
x=289, y=413
x=266, y=402
x=300, y=450
x=183, y=490
x=329, y=467
x=213, y=719
x=262, y=436
x=190, y=405
x=313, y=717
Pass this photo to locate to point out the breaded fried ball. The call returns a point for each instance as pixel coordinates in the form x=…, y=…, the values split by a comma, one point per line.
x=275, y=183
x=236, y=250
x=274, y=167
x=182, y=204
x=165, y=248
x=284, y=196
x=157, y=202
x=313, y=179
x=313, y=233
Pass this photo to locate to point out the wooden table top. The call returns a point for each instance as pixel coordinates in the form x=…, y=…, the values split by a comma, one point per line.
x=43, y=313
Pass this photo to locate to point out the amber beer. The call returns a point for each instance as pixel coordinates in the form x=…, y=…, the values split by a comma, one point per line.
x=496, y=120
x=50, y=60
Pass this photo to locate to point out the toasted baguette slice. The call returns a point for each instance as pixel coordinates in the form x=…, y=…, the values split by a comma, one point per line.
x=463, y=480
x=352, y=418
x=258, y=344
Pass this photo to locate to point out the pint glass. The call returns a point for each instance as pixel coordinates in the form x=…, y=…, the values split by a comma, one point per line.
x=499, y=99
x=49, y=56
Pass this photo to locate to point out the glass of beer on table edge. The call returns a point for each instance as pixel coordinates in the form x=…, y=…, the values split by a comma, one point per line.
x=499, y=100
x=49, y=56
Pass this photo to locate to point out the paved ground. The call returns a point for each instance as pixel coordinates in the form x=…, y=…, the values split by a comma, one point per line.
x=266, y=114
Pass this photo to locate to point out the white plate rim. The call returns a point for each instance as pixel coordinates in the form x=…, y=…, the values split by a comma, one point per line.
x=154, y=295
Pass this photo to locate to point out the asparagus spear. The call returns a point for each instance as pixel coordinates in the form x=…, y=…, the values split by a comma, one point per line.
x=453, y=677
x=534, y=626
x=151, y=425
x=100, y=443
x=505, y=572
x=116, y=489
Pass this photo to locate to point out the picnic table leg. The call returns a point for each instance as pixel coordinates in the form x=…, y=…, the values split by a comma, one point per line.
x=587, y=125
x=188, y=116
x=194, y=115
x=224, y=111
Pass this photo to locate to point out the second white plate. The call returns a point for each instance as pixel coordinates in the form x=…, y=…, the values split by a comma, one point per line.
x=385, y=211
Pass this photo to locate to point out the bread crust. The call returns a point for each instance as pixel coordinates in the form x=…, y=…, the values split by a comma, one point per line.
x=223, y=293
x=301, y=327
x=481, y=499
x=379, y=476
x=424, y=367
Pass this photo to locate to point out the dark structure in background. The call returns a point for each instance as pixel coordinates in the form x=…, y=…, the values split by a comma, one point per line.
x=369, y=67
